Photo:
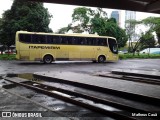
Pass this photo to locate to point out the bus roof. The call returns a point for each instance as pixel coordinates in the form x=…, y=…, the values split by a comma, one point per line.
x=73, y=34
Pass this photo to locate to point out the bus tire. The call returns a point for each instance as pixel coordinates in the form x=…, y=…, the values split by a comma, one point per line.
x=101, y=59
x=47, y=59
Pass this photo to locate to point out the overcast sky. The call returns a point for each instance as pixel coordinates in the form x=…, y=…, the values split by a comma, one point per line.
x=62, y=13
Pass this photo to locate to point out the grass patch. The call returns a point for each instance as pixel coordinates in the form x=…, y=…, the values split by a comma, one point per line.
x=121, y=56
x=141, y=56
x=7, y=57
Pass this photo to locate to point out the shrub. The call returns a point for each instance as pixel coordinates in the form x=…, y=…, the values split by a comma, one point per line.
x=141, y=56
x=7, y=57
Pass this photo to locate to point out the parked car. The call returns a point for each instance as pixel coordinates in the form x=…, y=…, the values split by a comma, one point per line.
x=150, y=50
x=123, y=52
x=1, y=52
x=9, y=52
x=156, y=52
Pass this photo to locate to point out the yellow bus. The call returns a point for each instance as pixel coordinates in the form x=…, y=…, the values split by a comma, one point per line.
x=49, y=47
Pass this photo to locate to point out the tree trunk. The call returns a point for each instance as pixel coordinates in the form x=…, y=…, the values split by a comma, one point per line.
x=158, y=37
x=149, y=51
x=8, y=50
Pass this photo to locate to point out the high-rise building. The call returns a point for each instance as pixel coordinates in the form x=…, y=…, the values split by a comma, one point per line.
x=117, y=16
x=130, y=15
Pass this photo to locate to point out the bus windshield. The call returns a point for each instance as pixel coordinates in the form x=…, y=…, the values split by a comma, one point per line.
x=113, y=45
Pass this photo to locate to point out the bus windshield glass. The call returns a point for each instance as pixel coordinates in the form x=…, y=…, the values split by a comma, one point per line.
x=113, y=45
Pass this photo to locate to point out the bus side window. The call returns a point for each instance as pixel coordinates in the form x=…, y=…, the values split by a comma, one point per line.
x=53, y=39
x=81, y=40
x=64, y=40
x=39, y=39
x=56, y=40
x=96, y=42
x=49, y=39
x=25, y=38
x=22, y=37
x=69, y=40
x=84, y=41
x=104, y=42
x=35, y=39
x=42, y=39
x=93, y=41
x=101, y=42
x=89, y=41
x=75, y=41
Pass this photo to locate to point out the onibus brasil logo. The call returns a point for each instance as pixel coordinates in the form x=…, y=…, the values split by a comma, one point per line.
x=21, y=114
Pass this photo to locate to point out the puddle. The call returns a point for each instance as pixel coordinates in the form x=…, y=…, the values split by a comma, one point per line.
x=28, y=76
x=51, y=102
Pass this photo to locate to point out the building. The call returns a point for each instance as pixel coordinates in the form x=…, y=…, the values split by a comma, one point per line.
x=117, y=16
x=130, y=15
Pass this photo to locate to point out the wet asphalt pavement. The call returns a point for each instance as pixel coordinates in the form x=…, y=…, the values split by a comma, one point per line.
x=80, y=67
x=7, y=67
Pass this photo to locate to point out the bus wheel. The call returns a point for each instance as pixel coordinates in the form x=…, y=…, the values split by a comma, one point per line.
x=47, y=59
x=101, y=59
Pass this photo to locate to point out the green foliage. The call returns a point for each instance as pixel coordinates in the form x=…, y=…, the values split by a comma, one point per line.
x=109, y=28
x=130, y=27
x=151, y=22
x=81, y=14
x=154, y=24
x=141, y=56
x=82, y=17
x=132, y=23
x=64, y=29
x=7, y=57
x=147, y=40
x=23, y=15
x=96, y=21
x=130, y=30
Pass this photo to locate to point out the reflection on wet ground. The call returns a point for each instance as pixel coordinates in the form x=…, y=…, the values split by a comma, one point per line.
x=66, y=109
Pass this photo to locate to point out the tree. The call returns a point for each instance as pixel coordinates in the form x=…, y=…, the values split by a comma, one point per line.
x=81, y=17
x=109, y=28
x=64, y=29
x=0, y=22
x=23, y=15
x=154, y=24
x=96, y=21
x=130, y=30
x=147, y=40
